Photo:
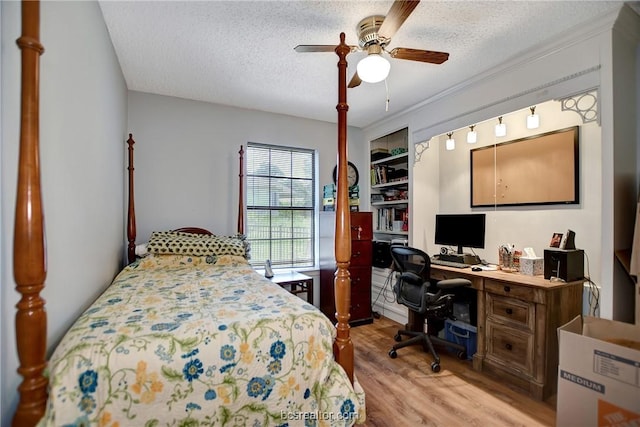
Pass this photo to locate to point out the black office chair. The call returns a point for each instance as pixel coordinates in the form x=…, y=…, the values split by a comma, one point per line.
x=415, y=290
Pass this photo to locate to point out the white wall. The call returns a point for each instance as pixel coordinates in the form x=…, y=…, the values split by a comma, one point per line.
x=186, y=158
x=527, y=226
x=82, y=134
x=579, y=60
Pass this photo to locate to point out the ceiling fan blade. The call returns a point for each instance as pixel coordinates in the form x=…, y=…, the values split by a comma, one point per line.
x=399, y=12
x=303, y=48
x=430, y=56
x=355, y=81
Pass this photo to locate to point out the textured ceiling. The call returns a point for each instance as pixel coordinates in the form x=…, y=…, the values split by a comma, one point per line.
x=240, y=53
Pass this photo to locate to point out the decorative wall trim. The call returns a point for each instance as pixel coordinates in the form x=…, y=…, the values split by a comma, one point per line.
x=585, y=105
x=420, y=147
x=544, y=49
x=423, y=134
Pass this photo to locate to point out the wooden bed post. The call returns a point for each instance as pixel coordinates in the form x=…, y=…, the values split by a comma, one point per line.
x=241, y=193
x=343, y=346
x=29, y=255
x=131, y=212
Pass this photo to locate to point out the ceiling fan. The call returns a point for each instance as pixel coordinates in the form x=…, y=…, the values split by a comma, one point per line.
x=374, y=35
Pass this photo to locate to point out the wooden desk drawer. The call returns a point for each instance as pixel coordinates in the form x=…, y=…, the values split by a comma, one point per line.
x=361, y=226
x=360, y=278
x=443, y=274
x=511, y=310
x=510, y=290
x=511, y=347
x=360, y=292
x=361, y=253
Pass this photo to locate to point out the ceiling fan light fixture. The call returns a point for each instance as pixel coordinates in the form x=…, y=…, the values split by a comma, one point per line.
x=374, y=68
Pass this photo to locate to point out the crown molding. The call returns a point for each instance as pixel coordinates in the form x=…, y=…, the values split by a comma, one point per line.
x=567, y=38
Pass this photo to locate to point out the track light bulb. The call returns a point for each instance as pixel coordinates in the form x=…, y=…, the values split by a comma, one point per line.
x=533, y=120
x=472, y=135
x=501, y=128
x=451, y=143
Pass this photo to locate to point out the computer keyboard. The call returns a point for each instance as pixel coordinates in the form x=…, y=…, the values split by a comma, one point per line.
x=454, y=264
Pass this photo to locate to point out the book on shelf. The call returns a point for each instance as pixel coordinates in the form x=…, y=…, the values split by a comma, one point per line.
x=383, y=174
x=393, y=219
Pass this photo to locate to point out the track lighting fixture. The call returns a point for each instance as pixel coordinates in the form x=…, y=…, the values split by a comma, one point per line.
x=472, y=136
x=501, y=128
x=533, y=120
x=451, y=143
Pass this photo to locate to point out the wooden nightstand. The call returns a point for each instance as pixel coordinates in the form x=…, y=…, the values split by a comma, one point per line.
x=294, y=282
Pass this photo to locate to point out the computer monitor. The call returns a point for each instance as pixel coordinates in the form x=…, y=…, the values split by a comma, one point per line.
x=461, y=230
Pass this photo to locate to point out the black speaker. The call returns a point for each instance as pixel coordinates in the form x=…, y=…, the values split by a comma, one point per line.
x=382, y=254
x=567, y=264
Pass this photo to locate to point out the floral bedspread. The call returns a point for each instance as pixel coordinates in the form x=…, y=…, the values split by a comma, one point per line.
x=195, y=341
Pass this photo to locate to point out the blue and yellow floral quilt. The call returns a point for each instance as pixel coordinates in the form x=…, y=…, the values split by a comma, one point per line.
x=199, y=341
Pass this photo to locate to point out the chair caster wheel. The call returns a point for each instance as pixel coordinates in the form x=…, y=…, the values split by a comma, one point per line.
x=462, y=355
x=397, y=337
x=393, y=354
x=435, y=367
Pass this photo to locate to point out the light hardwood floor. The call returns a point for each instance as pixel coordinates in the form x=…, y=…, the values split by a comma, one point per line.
x=405, y=392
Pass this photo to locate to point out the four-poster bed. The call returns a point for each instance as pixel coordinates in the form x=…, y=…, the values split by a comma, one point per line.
x=98, y=327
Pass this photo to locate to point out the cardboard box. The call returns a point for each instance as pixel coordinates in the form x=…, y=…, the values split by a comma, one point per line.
x=531, y=266
x=598, y=381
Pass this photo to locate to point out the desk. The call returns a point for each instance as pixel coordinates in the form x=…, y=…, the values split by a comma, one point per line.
x=294, y=282
x=518, y=317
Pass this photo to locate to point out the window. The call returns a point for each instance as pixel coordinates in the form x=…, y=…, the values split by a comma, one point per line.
x=280, y=205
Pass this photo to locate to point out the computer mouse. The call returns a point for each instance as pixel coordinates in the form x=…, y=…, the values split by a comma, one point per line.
x=476, y=269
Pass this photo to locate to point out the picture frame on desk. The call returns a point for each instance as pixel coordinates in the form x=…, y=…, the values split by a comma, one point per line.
x=556, y=239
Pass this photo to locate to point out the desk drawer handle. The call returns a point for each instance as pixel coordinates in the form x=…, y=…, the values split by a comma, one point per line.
x=355, y=254
x=507, y=289
x=509, y=311
x=508, y=346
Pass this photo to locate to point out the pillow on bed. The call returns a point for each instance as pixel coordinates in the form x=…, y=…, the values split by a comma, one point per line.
x=174, y=260
x=171, y=242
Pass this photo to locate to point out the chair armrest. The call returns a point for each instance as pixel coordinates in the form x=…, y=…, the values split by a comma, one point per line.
x=453, y=283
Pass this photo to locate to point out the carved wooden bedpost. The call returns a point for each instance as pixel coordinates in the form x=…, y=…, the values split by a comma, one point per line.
x=29, y=254
x=241, y=193
x=131, y=211
x=343, y=346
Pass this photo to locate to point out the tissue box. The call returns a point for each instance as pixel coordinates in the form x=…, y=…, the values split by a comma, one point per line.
x=531, y=266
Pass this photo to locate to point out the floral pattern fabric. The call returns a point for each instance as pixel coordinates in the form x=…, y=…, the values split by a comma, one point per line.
x=177, y=242
x=199, y=341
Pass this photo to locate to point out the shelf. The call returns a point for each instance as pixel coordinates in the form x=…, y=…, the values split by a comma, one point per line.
x=391, y=202
x=390, y=178
x=400, y=233
x=391, y=184
x=392, y=160
x=624, y=257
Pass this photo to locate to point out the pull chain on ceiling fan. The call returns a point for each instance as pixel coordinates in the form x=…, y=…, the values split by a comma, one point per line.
x=374, y=34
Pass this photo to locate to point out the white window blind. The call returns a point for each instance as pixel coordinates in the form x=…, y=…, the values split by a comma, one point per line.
x=280, y=205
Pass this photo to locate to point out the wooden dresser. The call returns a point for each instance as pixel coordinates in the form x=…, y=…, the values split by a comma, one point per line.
x=359, y=267
x=518, y=317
